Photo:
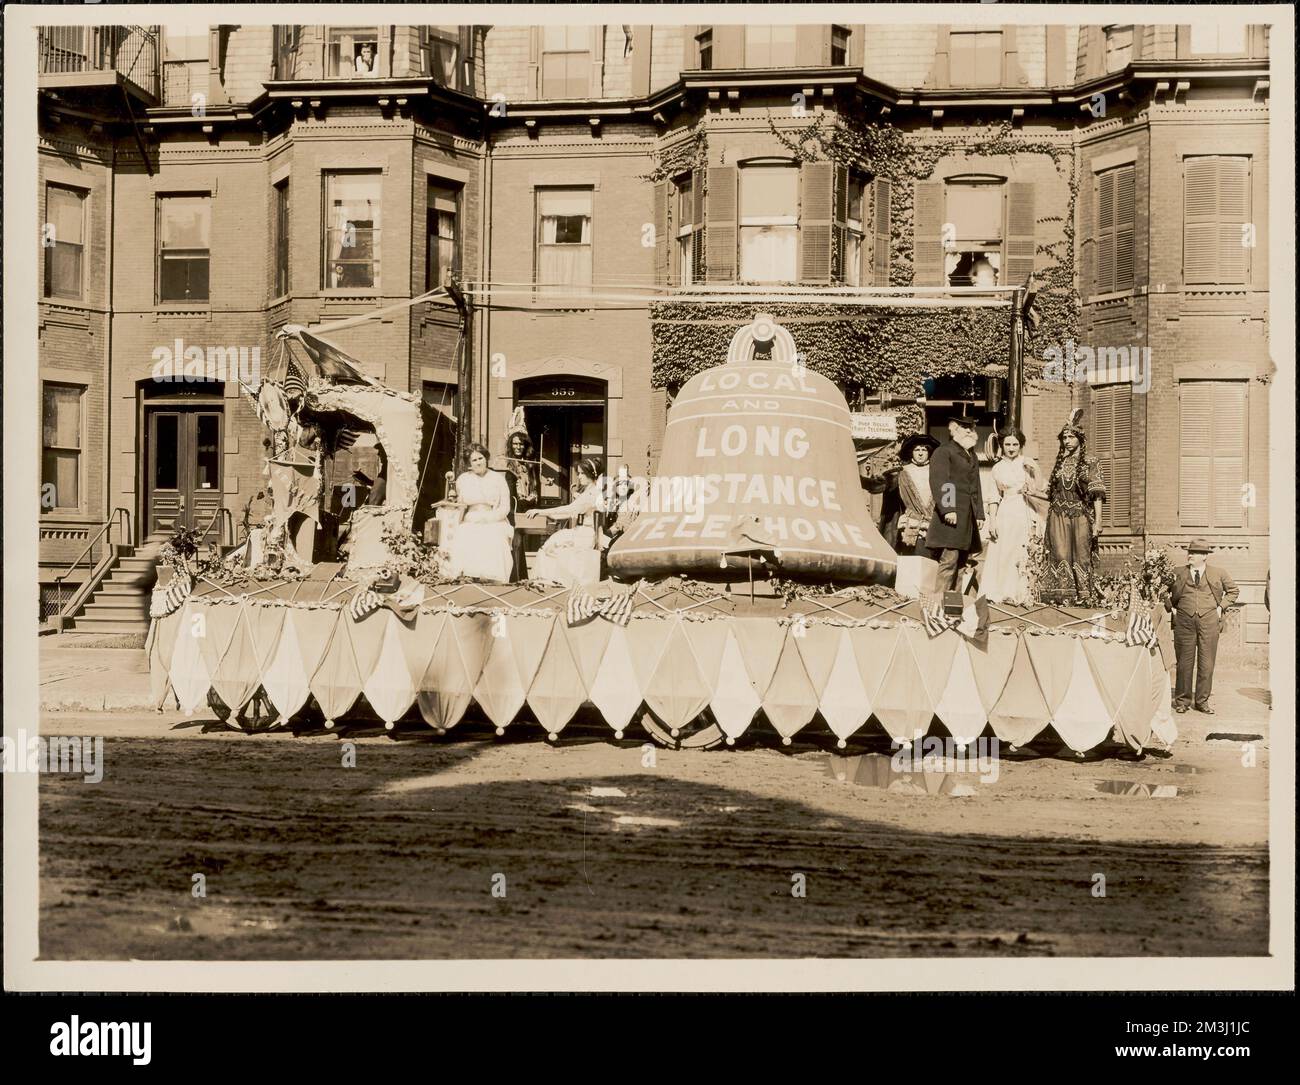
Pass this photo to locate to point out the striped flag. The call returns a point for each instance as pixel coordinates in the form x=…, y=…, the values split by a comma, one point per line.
x=363, y=603
x=1141, y=630
x=936, y=621
x=614, y=608
x=295, y=380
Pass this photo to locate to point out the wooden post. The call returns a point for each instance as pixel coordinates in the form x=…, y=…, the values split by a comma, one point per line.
x=1015, y=360
x=464, y=372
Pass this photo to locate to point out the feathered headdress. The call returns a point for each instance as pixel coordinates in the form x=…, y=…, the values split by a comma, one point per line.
x=1072, y=424
x=517, y=424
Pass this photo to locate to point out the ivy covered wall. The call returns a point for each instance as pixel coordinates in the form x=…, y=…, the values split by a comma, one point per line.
x=897, y=347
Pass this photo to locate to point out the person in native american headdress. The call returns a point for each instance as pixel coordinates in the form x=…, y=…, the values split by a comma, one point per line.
x=1075, y=494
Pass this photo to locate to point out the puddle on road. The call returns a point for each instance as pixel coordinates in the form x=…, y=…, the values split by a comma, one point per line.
x=662, y=823
x=877, y=770
x=1130, y=790
x=1231, y=736
x=606, y=793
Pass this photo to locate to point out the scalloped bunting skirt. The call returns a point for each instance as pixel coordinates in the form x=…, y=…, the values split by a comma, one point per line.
x=847, y=667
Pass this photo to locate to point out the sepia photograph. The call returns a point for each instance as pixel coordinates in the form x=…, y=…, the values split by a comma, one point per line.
x=511, y=489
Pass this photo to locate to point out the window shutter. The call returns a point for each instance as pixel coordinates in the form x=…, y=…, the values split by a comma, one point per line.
x=882, y=193
x=466, y=45
x=1201, y=220
x=1195, y=422
x=939, y=73
x=839, y=269
x=1104, y=277
x=1125, y=208
x=1021, y=240
x=662, y=216
x=1234, y=213
x=728, y=46
x=1112, y=420
x=535, y=61
x=596, y=86
x=812, y=45
x=720, y=236
x=697, y=223
x=927, y=255
x=1229, y=466
x=816, y=207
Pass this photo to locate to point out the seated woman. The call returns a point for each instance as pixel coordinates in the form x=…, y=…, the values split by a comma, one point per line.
x=480, y=544
x=589, y=501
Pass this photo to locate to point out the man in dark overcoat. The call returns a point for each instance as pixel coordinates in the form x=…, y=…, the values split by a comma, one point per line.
x=958, y=500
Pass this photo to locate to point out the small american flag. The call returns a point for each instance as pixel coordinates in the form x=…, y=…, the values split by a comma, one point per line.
x=614, y=608
x=1141, y=630
x=295, y=380
x=936, y=621
x=363, y=604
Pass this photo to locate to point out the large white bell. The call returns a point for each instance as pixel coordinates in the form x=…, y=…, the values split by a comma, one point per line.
x=758, y=458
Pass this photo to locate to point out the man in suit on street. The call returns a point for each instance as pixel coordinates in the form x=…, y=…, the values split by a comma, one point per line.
x=1201, y=595
x=958, y=500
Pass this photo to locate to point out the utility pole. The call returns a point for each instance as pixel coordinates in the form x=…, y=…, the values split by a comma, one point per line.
x=1021, y=299
x=464, y=373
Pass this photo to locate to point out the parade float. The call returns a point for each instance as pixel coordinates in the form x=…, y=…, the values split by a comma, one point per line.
x=751, y=591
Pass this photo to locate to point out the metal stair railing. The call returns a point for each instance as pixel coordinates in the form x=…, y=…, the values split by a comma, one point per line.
x=63, y=604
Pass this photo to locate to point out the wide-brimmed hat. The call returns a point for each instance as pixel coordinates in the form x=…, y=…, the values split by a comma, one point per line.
x=910, y=443
x=1199, y=546
x=963, y=414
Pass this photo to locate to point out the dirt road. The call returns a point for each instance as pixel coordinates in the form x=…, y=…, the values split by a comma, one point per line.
x=601, y=850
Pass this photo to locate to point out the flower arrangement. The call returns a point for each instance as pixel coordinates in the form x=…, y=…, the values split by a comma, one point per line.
x=1149, y=582
x=412, y=557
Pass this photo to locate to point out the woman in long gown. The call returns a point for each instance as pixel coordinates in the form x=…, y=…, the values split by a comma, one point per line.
x=1005, y=577
x=480, y=544
x=547, y=565
x=914, y=492
x=1075, y=494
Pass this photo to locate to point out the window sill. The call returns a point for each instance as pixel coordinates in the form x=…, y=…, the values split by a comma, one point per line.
x=281, y=300
x=337, y=293
x=1114, y=295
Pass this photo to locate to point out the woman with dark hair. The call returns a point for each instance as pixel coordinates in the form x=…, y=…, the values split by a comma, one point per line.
x=582, y=537
x=480, y=543
x=1075, y=495
x=1010, y=521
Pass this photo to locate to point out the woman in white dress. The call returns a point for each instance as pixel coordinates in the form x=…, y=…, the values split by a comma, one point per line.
x=1010, y=522
x=480, y=543
x=547, y=565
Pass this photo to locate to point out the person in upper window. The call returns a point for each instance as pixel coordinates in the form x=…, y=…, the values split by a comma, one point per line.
x=366, y=61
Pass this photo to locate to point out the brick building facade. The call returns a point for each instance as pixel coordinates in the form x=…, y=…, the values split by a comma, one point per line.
x=206, y=194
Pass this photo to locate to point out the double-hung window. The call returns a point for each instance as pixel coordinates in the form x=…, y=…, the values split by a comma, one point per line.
x=61, y=425
x=769, y=223
x=973, y=233
x=440, y=234
x=65, y=241
x=184, y=227
x=282, y=238
x=563, y=240
x=566, y=61
x=352, y=229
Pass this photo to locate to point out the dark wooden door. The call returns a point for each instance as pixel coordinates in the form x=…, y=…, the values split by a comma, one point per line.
x=183, y=475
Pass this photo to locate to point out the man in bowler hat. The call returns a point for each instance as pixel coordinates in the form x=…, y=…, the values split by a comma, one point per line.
x=1201, y=595
x=958, y=500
